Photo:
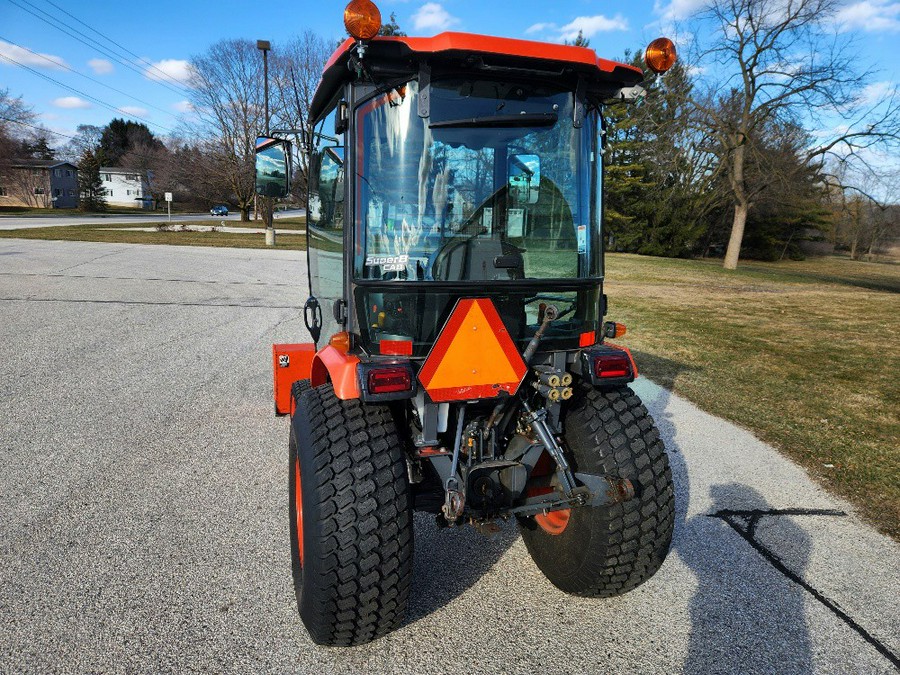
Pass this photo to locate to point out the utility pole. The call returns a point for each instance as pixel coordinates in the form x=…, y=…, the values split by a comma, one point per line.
x=268, y=203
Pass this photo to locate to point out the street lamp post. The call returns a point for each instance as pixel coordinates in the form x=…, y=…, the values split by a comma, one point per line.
x=264, y=46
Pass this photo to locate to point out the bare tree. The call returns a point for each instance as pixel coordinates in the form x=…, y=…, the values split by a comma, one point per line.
x=87, y=138
x=227, y=95
x=783, y=62
x=15, y=115
x=296, y=70
x=865, y=219
x=16, y=119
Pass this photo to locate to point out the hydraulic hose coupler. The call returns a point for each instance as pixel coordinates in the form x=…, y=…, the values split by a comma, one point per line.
x=550, y=393
x=565, y=379
x=548, y=376
x=566, y=393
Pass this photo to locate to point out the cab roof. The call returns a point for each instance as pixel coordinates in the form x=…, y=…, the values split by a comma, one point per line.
x=394, y=56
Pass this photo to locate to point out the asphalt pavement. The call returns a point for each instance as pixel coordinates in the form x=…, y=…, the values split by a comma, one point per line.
x=143, y=494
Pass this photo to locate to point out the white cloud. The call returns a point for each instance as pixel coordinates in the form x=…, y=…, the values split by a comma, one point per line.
x=26, y=58
x=168, y=70
x=870, y=16
x=677, y=10
x=133, y=110
x=183, y=106
x=876, y=92
x=101, y=66
x=589, y=26
x=540, y=28
x=433, y=17
x=71, y=102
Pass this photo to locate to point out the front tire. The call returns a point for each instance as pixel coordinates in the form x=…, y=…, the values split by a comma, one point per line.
x=350, y=518
x=608, y=550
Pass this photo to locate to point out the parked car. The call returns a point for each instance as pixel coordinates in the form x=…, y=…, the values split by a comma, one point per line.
x=219, y=210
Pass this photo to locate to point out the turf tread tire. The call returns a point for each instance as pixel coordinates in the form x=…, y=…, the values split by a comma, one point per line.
x=607, y=551
x=353, y=585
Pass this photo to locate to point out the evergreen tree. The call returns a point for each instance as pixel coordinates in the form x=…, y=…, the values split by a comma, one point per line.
x=90, y=184
x=790, y=203
x=36, y=148
x=579, y=41
x=657, y=186
x=392, y=28
x=120, y=137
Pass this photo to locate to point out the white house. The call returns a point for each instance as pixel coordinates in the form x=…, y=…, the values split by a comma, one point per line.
x=128, y=188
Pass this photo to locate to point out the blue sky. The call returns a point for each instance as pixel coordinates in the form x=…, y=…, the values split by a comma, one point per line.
x=164, y=34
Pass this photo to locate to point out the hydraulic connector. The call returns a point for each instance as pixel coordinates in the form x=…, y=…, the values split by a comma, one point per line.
x=550, y=393
x=548, y=375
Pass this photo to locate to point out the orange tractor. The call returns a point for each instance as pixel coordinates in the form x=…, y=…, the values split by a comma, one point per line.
x=455, y=259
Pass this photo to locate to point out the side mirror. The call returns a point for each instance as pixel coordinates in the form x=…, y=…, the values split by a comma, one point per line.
x=524, y=173
x=273, y=162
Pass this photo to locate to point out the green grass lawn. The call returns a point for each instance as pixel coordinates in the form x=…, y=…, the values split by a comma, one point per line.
x=23, y=211
x=295, y=223
x=130, y=235
x=804, y=354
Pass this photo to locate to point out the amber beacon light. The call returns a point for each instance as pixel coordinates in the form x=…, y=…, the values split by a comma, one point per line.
x=362, y=19
x=660, y=55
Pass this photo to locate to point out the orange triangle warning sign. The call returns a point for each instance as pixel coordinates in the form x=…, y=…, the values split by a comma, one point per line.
x=474, y=356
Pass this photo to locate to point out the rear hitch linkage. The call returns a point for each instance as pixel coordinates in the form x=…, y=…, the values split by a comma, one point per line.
x=454, y=500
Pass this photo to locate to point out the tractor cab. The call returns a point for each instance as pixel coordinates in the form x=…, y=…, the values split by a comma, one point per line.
x=460, y=363
x=458, y=166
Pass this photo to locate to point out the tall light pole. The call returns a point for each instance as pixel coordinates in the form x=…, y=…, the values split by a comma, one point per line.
x=264, y=46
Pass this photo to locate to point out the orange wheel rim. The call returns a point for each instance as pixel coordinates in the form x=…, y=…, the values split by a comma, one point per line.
x=554, y=522
x=298, y=508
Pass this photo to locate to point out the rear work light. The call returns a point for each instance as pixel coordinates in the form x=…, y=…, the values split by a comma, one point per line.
x=607, y=366
x=390, y=380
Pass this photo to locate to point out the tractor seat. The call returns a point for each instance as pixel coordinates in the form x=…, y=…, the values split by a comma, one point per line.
x=476, y=259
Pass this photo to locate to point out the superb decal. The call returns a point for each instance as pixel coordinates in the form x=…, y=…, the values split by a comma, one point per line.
x=389, y=263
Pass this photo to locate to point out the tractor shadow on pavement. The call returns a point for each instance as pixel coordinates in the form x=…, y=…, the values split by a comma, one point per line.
x=449, y=562
x=745, y=617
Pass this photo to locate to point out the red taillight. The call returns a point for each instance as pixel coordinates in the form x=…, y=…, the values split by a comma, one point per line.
x=612, y=365
x=396, y=347
x=389, y=380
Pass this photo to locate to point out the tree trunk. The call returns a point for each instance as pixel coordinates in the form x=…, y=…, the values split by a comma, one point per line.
x=245, y=213
x=741, y=207
x=733, y=251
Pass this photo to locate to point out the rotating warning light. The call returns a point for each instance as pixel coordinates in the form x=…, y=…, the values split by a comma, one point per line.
x=362, y=19
x=660, y=55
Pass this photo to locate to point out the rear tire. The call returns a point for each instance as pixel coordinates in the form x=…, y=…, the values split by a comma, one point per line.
x=609, y=550
x=351, y=550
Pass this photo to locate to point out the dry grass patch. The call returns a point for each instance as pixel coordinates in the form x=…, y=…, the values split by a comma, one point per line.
x=807, y=355
x=131, y=234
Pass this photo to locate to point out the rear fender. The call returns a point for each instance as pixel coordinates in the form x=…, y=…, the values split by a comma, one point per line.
x=290, y=362
x=339, y=368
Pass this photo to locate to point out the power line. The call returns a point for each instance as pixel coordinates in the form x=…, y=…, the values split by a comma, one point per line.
x=92, y=44
x=120, y=46
x=36, y=128
x=127, y=62
x=81, y=93
x=87, y=77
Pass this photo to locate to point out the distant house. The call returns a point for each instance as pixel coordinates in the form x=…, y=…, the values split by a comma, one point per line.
x=39, y=183
x=128, y=188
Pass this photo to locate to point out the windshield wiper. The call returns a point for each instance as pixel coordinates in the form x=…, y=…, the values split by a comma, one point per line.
x=523, y=120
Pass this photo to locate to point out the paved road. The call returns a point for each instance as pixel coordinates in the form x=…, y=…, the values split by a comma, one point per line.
x=144, y=508
x=18, y=223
